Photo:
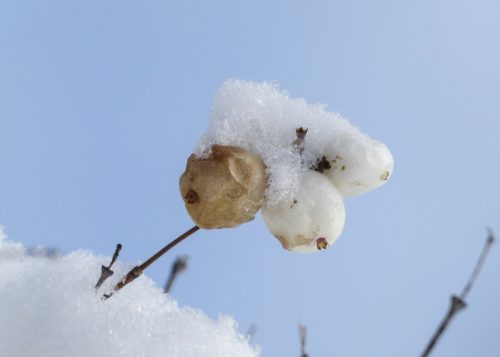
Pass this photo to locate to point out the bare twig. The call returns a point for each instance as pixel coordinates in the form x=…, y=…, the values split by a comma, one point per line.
x=479, y=265
x=136, y=271
x=179, y=266
x=303, y=338
x=252, y=330
x=106, y=271
x=46, y=252
x=457, y=303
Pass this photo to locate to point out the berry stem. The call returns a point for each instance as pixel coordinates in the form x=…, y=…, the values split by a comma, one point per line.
x=136, y=271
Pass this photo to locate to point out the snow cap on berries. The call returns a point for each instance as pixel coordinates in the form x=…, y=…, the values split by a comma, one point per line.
x=312, y=159
x=264, y=120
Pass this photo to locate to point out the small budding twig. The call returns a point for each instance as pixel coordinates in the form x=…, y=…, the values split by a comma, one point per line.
x=299, y=143
x=179, y=266
x=303, y=338
x=106, y=271
x=136, y=271
x=457, y=303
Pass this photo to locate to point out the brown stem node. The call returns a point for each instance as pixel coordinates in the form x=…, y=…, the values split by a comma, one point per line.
x=457, y=303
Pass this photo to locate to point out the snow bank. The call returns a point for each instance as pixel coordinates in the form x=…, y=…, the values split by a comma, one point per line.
x=49, y=307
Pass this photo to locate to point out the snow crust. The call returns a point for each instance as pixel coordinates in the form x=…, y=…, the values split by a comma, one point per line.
x=261, y=118
x=49, y=307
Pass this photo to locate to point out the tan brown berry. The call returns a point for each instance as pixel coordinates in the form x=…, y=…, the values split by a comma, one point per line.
x=225, y=189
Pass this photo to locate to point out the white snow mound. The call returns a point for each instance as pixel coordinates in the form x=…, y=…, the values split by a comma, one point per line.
x=261, y=118
x=49, y=307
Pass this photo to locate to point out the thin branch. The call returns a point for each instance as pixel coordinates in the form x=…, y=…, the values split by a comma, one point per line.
x=457, y=303
x=303, y=338
x=136, y=271
x=479, y=265
x=106, y=271
x=179, y=266
x=252, y=330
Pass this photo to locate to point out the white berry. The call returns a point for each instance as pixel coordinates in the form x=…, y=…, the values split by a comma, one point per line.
x=358, y=164
x=313, y=221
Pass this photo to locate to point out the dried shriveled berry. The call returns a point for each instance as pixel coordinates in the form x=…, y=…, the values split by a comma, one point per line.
x=225, y=189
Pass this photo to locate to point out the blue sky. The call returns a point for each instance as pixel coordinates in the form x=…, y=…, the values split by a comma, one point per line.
x=101, y=103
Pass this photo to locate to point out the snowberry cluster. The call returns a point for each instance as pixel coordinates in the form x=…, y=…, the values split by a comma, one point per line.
x=316, y=217
x=294, y=160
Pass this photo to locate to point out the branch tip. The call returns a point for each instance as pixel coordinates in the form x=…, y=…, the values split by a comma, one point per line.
x=178, y=266
x=303, y=338
x=106, y=271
